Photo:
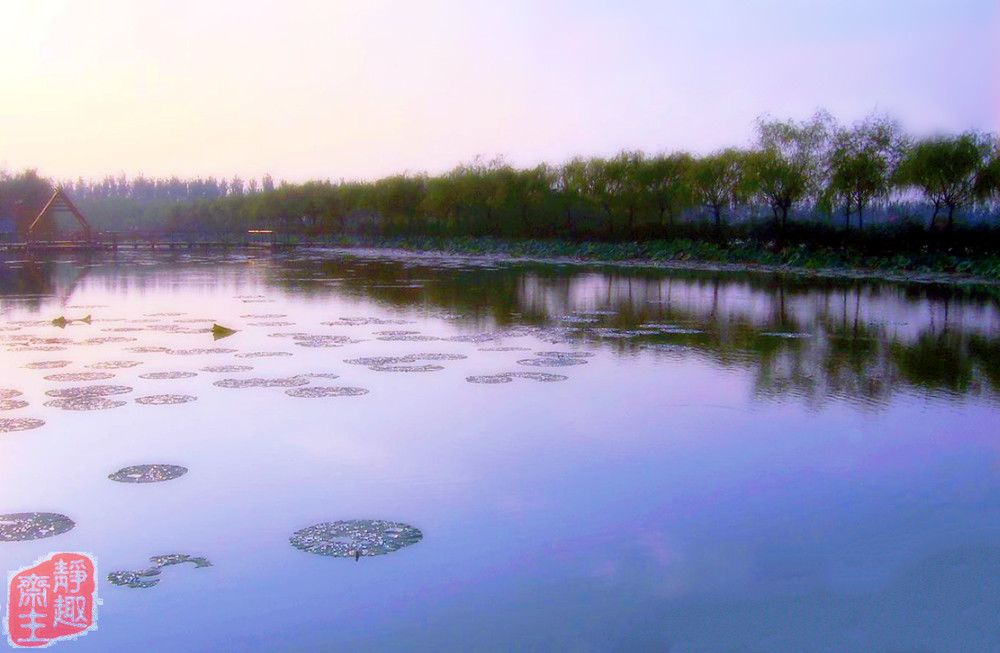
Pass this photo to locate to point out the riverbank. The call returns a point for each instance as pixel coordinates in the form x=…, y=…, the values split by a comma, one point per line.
x=927, y=268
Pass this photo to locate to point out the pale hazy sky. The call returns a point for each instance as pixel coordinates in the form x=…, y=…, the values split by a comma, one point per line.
x=361, y=89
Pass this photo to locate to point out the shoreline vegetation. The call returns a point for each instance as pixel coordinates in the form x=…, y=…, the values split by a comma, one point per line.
x=811, y=195
x=684, y=254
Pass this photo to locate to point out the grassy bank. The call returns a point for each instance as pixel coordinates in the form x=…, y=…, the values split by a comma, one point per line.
x=948, y=265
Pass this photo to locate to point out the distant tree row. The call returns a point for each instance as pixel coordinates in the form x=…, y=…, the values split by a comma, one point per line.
x=809, y=170
x=814, y=171
x=174, y=189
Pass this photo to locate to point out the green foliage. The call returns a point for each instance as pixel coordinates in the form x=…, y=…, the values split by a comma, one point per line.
x=951, y=171
x=797, y=172
x=863, y=161
x=719, y=181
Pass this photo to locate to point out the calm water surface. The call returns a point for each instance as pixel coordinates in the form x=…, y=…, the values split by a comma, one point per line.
x=745, y=463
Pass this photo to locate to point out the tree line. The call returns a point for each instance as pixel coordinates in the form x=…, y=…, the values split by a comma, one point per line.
x=810, y=172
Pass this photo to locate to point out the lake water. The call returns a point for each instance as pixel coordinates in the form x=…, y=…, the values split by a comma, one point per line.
x=731, y=463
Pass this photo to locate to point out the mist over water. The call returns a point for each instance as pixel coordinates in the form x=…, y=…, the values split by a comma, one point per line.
x=669, y=460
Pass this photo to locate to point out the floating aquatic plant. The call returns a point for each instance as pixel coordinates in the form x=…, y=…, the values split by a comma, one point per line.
x=155, y=473
x=37, y=348
x=148, y=349
x=86, y=402
x=103, y=340
x=164, y=400
x=113, y=365
x=408, y=368
x=12, y=404
x=355, y=538
x=477, y=338
x=23, y=526
x=504, y=349
x=80, y=376
x=201, y=350
x=507, y=377
x=551, y=362
x=11, y=424
x=564, y=354
x=89, y=391
x=9, y=393
x=286, y=382
x=316, y=392
x=145, y=578
x=47, y=365
x=264, y=354
x=167, y=375
x=227, y=368
x=403, y=363
x=490, y=379
x=409, y=338
x=263, y=316
x=364, y=321
x=270, y=324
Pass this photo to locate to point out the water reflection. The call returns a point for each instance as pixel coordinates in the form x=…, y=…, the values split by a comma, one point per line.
x=814, y=338
x=818, y=339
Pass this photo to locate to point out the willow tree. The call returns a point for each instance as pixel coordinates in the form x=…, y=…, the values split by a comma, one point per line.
x=666, y=180
x=863, y=161
x=623, y=187
x=718, y=181
x=789, y=164
x=951, y=171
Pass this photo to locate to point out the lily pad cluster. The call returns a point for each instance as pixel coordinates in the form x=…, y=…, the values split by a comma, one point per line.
x=504, y=349
x=167, y=375
x=283, y=382
x=555, y=359
x=408, y=363
x=222, y=369
x=264, y=354
x=89, y=391
x=200, y=350
x=86, y=402
x=507, y=377
x=323, y=341
x=47, y=365
x=155, y=473
x=164, y=399
x=355, y=538
x=10, y=424
x=148, y=577
x=91, y=397
x=12, y=404
x=114, y=365
x=80, y=376
x=364, y=321
x=103, y=340
x=317, y=392
x=22, y=526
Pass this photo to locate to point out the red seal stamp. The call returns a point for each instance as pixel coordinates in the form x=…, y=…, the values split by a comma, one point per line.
x=52, y=600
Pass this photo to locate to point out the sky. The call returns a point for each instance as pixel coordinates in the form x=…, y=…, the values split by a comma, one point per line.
x=357, y=90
